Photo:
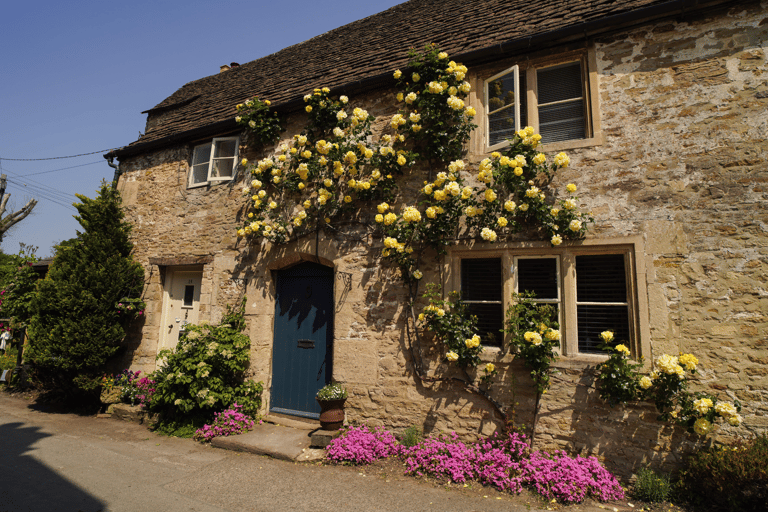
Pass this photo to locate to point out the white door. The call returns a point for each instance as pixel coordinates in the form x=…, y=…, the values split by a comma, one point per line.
x=181, y=305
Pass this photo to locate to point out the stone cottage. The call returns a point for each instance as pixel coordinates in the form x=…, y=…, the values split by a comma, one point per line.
x=662, y=107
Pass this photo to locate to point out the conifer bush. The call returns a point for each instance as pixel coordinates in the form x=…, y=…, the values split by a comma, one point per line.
x=76, y=327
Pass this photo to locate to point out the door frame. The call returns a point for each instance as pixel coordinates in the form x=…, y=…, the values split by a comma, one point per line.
x=169, y=275
x=294, y=261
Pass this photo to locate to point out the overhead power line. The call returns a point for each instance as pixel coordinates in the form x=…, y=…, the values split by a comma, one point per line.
x=57, y=170
x=55, y=157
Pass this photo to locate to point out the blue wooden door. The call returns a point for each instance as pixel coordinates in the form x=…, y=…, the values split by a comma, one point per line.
x=301, y=354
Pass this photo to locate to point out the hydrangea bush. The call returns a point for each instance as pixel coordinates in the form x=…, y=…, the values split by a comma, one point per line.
x=206, y=370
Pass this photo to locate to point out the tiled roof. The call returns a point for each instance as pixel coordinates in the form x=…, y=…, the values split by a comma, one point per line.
x=374, y=46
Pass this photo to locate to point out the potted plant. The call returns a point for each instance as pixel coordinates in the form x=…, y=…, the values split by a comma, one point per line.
x=331, y=399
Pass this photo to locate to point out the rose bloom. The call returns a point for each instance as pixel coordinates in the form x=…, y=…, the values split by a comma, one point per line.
x=689, y=361
x=571, y=188
x=645, y=382
x=606, y=336
x=702, y=426
x=702, y=405
x=501, y=221
x=725, y=409
x=488, y=234
x=452, y=356
x=623, y=349
x=417, y=274
x=575, y=225
x=556, y=240
x=397, y=74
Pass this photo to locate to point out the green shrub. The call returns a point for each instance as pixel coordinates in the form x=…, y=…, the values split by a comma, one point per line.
x=651, y=487
x=204, y=374
x=76, y=327
x=411, y=436
x=731, y=477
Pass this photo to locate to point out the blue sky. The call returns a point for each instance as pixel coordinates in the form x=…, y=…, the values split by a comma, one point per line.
x=77, y=75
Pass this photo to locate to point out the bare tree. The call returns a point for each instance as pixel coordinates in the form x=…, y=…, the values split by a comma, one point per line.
x=8, y=221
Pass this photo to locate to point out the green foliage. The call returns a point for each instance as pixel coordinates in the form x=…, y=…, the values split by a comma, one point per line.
x=204, y=373
x=75, y=328
x=651, y=487
x=17, y=286
x=262, y=124
x=619, y=377
x=332, y=391
x=322, y=174
x=411, y=436
x=666, y=386
x=451, y=325
x=442, y=128
x=733, y=477
x=8, y=358
x=179, y=427
x=534, y=331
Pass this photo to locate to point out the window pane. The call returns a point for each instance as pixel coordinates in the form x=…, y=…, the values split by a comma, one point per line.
x=222, y=168
x=501, y=93
x=563, y=121
x=559, y=83
x=481, y=279
x=189, y=295
x=199, y=173
x=225, y=148
x=601, y=278
x=595, y=319
x=489, y=322
x=202, y=154
x=538, y=275
x=501, y=126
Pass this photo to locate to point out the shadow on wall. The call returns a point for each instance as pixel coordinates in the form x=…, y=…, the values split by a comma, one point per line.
x=28, y=484
x=625, y=438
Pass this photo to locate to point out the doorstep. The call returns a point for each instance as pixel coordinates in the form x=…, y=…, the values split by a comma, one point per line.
x=277, y=441
x=281, y=438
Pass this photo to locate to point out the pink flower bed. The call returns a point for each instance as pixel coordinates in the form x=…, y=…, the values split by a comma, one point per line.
x=503, y=462
x=226, y=423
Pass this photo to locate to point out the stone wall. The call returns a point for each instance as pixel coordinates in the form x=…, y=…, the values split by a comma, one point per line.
x=683, y=165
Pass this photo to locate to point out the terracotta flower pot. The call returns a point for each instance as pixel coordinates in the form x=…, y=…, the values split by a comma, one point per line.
x=331, y=413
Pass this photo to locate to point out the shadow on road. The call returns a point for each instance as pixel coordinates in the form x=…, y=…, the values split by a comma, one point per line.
x=26, y=484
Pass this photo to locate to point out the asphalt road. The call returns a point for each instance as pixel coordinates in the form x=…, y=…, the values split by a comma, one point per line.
x=64, y=462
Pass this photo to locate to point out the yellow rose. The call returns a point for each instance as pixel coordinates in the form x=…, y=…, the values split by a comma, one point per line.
x=397, y=74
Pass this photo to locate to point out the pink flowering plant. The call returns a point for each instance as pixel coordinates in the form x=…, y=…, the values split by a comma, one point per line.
x=362, y=445
x=131, y=308
x=227, y=423
x=502, y=461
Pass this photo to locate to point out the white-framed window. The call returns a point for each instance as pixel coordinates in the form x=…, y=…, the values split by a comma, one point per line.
x=556, y=98
x=213, y=161
x=592, y=288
